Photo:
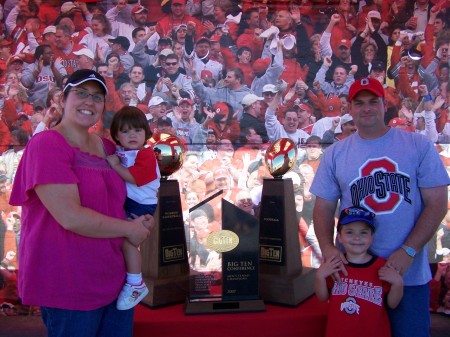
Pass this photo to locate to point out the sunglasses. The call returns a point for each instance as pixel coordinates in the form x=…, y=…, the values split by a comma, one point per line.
x=171, y=63
x=268, y=93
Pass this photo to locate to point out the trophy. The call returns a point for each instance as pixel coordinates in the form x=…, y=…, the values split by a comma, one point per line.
x=282, y=279
x=164, y=258
x=223, y=259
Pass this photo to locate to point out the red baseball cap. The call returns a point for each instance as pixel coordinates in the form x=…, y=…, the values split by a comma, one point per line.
x=345, y=43
x=365, y=83
x=185, y=100
x=221, y=108
x=304, y=107
x=139, y=9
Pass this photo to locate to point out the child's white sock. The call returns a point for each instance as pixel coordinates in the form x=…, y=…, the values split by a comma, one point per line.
x=134, y=279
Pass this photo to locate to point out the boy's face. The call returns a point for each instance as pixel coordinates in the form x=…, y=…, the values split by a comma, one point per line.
x=356, y=237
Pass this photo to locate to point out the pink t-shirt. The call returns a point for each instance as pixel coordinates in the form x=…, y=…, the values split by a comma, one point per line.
x=58, y=268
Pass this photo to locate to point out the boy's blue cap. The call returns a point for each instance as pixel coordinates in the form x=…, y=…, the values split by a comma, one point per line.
x=355, y=213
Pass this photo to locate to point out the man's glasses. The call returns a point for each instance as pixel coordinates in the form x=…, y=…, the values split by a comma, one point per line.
x=84, y=94
x=171, y=63
x=268, y=93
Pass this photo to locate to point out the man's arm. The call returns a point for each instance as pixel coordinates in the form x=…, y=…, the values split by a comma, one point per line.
x=435, y=208
x=323, y=218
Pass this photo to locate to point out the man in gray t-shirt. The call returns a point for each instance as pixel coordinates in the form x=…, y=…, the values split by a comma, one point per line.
x=399, y=176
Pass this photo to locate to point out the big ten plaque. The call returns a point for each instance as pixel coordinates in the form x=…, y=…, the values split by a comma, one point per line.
x=282, y=279
x=223, y=259
x=165, y=267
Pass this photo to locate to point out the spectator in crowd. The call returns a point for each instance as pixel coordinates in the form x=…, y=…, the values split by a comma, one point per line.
x=119, y=47
x=289, y=128
x=184, y=123
x=65, y=47
x=200, y=54
x=86, y=59
x=178, y=16
x=232, y=90
x=138, y=19
x=347, y=129
x=251, y=117
x=341, y=79
x=97, y=40
x=44, y=73
x=9, y=160
x=173, y=82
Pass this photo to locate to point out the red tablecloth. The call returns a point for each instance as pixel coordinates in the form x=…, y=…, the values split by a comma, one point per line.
x=307, y=320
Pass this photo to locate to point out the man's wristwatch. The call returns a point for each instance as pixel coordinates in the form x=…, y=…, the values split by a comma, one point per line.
x=409, y=250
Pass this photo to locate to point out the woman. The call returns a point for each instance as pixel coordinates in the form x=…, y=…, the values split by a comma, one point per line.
x=73, y=221
x=97, y=40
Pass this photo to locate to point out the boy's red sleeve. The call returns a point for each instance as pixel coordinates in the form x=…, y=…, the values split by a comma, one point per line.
x=144, y=168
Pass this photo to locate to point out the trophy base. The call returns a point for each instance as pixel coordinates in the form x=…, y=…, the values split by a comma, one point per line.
x=164, y=292
x=223, y=307
x=285, y=290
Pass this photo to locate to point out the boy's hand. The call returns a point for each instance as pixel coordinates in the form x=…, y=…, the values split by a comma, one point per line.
x=390, y=275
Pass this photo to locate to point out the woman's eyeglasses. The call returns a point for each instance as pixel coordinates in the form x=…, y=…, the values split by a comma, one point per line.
x=84, y=94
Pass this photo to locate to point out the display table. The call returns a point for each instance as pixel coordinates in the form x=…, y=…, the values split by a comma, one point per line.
x=307, y=320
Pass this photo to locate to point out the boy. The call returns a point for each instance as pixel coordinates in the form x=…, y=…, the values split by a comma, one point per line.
x=357, y=301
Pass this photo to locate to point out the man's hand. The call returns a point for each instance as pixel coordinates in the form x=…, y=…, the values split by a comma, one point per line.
x=400, y=261
x=330, y=253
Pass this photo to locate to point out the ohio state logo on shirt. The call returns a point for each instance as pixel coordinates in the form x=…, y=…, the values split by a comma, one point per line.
x=381, y=186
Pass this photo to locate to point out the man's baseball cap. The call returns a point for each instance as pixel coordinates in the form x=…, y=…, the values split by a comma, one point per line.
x=378, y=64
x=67, y=7
x=355, y=213
x=345, y=43
x=86, y=52
x=15, y=58
x=374, y=14
x=49, y=29
x=270, y=88
x=347, y=118
x=365, y=83
x=84, y=75
x=165, y=52
x=185, y=100
x=249, y=99
x=164, y=121
x=304, y=107
x=221, y=173
x=122, y=40
x=156, y=100
x=178, y=2
x=138, y=9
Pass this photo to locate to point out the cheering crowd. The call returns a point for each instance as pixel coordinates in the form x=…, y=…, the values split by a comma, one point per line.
x=228, y=78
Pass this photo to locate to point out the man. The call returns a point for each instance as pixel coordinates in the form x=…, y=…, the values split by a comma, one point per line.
x=201, y=56
x=289, y=128
x=342, y=55
x=120, y=47
x=177, y=17
x=341, y=80
x=138, y=18
x=304, y=113
x=39, y=76
x=185, y=125
x=231, y=90
x=332, y=136
x=85, y=59
x=65, y=48
x=397, y=175
x=250, y=118
x=173, y=82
